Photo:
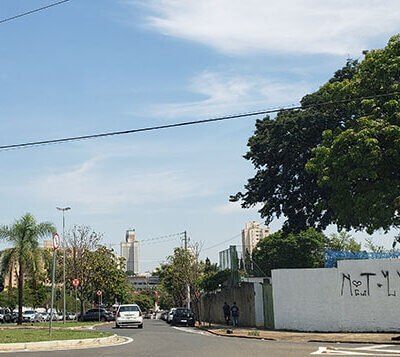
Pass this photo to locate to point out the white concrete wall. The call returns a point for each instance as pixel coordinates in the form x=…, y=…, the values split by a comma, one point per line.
x=360, y=295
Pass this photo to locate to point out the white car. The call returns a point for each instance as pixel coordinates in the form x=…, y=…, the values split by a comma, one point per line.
x=170, y=315
x=129, y=315
x=71, y=315
x=45, y=316
x=31, y=316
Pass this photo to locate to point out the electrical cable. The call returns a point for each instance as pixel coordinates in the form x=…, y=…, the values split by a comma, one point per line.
x=223, y=242
x=194, y=122
x=33, y=11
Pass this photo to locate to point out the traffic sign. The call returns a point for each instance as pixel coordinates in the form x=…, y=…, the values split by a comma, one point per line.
x=56, y=241
x=75, y=282
x=99, y=292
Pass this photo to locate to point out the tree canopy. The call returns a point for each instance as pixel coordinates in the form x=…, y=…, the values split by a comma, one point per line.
x=333, y=163
x=298, y=250
x=282, y=250
x=358, y=163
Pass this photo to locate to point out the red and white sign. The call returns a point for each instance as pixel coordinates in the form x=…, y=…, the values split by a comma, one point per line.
x=75, y=282
x=56, y=241
x=99, y=292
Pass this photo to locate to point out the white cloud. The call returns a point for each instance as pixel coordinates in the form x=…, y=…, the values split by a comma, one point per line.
x=296, y=26
x=95, y=186
x=228, y=93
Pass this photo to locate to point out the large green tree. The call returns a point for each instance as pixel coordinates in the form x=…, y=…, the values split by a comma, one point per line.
x=25, y=254
x=100, y=269
x=279, y=151
x=182, y=270
x=305, y=249
x=358, y=163
x=349, y=146
x=342, y=241
x=289, y=250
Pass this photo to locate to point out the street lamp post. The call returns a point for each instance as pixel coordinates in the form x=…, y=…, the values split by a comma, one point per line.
x=63, y=245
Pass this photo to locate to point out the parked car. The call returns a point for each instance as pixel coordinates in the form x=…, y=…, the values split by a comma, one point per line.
x=170, y=315
x=31, y=316
x=14, y=316
x=129, y=315
x=164, y=315
x=93, y=315
x=45, y=316
x=5, y=315
x=71, y=315
x=183, y=316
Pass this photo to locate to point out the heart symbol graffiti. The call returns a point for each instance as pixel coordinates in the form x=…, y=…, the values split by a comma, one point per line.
x=357, y=283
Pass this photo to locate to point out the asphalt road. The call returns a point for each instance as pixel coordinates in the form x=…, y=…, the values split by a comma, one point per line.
x=157, y=339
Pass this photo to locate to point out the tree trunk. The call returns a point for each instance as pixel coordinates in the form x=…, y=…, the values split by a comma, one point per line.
x=20, y=293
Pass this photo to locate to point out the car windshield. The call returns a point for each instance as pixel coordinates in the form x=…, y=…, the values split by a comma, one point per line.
x=29, y=312
x=183, y=311
x=128, y=308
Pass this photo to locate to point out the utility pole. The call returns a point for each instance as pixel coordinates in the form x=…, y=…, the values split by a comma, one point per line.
x=56, y=245
x=63, y=244
x=185, y=238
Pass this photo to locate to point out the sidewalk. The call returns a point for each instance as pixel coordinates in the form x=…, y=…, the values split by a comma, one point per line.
x=292, y=336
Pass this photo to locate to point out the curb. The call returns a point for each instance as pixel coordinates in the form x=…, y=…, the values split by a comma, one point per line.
x=288, y=340
x=238, y=336
x=60, y=344
x=358, y=342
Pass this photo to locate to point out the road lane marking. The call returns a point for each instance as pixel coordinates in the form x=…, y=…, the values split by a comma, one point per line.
x=372, y=350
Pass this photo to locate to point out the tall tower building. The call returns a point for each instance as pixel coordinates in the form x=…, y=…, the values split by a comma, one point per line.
x=251, y=234
x=130, y=251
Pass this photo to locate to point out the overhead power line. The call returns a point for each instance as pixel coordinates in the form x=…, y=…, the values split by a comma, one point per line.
x=187, y=123
x=223, y=242
x=33, y=11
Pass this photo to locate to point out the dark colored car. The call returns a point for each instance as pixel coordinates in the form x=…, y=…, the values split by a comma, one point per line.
x=93, y=315
x=164, y=315
x=14, y=316
x=183, y=316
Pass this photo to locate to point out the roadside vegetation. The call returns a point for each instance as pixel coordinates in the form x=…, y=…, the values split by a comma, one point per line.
x=37, y=335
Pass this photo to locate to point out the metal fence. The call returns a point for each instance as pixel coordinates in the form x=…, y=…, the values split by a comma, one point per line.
x=332, y=256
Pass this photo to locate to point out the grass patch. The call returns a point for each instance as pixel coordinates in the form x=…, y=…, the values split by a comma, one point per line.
x=68, y=324
x=37, y=335
x=57, y=324
x=253, y=333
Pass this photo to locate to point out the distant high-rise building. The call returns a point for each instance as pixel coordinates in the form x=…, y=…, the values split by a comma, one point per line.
x=130, y=251
x=251, y=234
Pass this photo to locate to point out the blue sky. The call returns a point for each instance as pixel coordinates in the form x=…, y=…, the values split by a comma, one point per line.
x=106, y=65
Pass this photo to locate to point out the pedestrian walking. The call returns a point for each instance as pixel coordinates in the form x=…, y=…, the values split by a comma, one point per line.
x=235, y=315
x=227, y=312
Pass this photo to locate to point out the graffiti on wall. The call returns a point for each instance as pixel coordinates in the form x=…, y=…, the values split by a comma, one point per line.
x=365, y=283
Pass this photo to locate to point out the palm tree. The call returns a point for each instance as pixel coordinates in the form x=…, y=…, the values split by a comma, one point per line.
x=25, y=256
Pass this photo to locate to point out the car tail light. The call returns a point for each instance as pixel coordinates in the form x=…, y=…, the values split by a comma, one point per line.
x=140, y=313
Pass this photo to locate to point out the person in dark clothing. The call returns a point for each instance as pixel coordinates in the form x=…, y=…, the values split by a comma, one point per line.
x=227, y=312
x=235, y=315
